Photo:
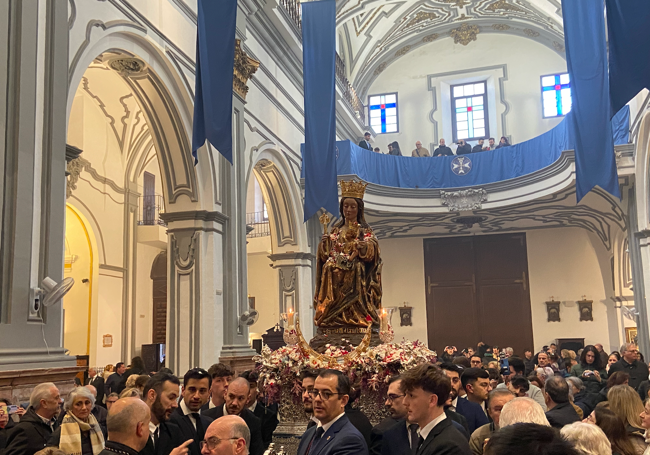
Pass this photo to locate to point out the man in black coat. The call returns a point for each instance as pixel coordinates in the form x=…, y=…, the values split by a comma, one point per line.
x=365, y=144
x=395, y=406
x=478, y=147
x=128, y=427
x=629, y=364
x=560, y=410
x=114, y=380
x=268, y=417
x=98, y=383
x=37, y=425
x=236, y=398
x=99, y=412
x=442, y=150
x=463, y=148
x=191, y=422
x=427, y=389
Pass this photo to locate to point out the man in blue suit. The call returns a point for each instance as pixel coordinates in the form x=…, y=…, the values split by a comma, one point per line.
x=334, y=434
x=472, y=412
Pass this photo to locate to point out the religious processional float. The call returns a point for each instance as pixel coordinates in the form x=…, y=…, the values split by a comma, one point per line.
x=354, y=332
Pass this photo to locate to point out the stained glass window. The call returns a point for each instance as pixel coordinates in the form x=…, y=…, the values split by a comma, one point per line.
x=469, y=111
x=383, y=113
x=556, y=95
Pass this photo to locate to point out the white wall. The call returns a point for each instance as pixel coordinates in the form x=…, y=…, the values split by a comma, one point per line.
x=526, y=61
x=263, y=285
x=562, y=263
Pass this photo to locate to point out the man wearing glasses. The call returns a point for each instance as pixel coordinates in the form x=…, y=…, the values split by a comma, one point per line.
x=227, y=435
x=196, y=392
x=395, y=406
x=334, y=434
x=630, y=364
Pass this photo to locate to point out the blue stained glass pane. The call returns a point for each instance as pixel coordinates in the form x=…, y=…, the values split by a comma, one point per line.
x=376, y=106
x=461, y=110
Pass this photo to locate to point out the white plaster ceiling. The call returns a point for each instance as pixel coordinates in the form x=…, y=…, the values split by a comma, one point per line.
x=375, y=33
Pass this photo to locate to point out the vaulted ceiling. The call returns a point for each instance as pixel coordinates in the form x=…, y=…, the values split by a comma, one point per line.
x=375, y=33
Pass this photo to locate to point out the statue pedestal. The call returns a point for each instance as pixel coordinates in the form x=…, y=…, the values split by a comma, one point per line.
x=342, y=337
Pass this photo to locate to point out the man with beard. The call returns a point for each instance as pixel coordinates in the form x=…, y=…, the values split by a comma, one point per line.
x=308, y=378
x=472, y=412
x=161, y=395
x=268, y=417
x=236, y=399
x=188, y=417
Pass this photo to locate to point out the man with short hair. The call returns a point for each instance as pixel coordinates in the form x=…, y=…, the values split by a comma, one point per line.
x=308, y=378
x=472, y=412
x=377, y=150
x=490, y=144
x=228, y=435
x=517, y=367
x=160, y=395
x=128, y=427
x=476, y=361
x=442, y=150
x=522, y=410
x=97, y=381
x=221, y=376
x=519, y=386
x=419, y=150
x=395, y=406
x=99, y=412
x=334, y=434
x=268, y=418
x=529, y=362
x=188, y=416
x=114, y=380
x=427, y=390
x=629, y=364
x=528, y=438
x=496, y=400
x=560, y=411
x=365, y=143
x=37, y=424
x=476, y=382
x=601, y=352
x=463, y=148
x=478, y=147
x=111, y=399
x=236, y=399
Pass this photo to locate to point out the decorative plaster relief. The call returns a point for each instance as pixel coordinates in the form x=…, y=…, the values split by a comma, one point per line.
x=464, y=200
x=465, y=34
x=244, y=69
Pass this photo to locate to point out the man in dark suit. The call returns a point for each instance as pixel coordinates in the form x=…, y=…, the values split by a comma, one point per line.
x=227, y=435
x=236, y=398
x=365, y=144
x=629, y=363
x=268, y=417
x=560, y=410
x=191, y=423
x=334, y=434
x=395, y=406
x=427, y=390
x=98, y=383
x=472, y=412
x=114, y=380
x=37, y=425
x=99, y=412
x=442, y=150
x=221, y=376
x=161, y=395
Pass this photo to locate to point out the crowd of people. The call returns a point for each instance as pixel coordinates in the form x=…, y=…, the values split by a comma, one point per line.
x=478, y=401
x=462, y=147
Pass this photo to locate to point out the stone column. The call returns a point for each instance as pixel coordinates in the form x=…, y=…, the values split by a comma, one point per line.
x=195, y=323
x=639, y=244
x=33, y=91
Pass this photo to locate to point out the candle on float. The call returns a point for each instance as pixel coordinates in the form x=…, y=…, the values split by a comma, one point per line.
x=290, y=316
x=383, y=320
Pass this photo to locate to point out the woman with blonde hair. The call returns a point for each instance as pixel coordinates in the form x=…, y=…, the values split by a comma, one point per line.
x=627, y=405
x=587, y=439
x=79, y=433
x=131, y=392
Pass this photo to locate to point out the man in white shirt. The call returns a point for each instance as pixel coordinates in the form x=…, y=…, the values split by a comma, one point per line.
x=188, y=416
x=427, y=390
x=221, y=376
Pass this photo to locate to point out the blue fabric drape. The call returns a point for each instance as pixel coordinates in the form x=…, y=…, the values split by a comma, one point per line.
x=629, y=47
x=621, y=126
x=319, y=152
x=584, y=35
x=215, y=57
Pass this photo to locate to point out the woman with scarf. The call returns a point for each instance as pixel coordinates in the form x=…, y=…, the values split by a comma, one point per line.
x=79, y=433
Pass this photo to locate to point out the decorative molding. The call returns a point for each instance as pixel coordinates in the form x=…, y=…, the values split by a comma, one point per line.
x=501, y=27
x=73, y=14
x=73, y=169
x=464, y=200
x=531, y=33
x=290, y=256
x=199, y=215
x=127, y=66
x=244, y=68
x=278, y=198
x=184, y=256
x=464, y=34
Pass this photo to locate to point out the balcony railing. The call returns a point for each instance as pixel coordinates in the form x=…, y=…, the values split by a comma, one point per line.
x=292, y=7
x=258, y=224
x=150, y=209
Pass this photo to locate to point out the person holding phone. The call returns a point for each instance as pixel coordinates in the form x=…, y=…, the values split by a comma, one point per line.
x=5, y=422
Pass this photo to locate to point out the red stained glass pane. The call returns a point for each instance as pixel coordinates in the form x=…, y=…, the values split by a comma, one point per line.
x=383, y=106
x=558, y=87
x=469, y=108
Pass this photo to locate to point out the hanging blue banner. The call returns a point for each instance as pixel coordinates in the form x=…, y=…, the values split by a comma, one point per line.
x=215, y=59
x=591, y=128
x=318, y=60
x=629, y=47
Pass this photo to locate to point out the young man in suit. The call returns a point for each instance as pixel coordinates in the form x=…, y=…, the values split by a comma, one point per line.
x=187, y=416
x=97, y=382
x=268, y=417
x=221, y=376
x=236, y=398
x=427, y=390
x=334, y=434
x=365, y=144
x=472, y=412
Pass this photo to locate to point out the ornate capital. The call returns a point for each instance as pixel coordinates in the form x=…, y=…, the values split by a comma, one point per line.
x=464, y=200
x=73, y=170
x=244, y=69
x=465, y=34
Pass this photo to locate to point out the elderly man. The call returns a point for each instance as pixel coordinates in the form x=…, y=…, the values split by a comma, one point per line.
x=99, y=412
x=442, y=150
x=37, y=425
x=419, y=150
x=128, y=427
x=97, y=382
x=629, y=364
x=228, y=435
x=560, y=410
x=236, y=399
x=496, y=400
x=522, y=410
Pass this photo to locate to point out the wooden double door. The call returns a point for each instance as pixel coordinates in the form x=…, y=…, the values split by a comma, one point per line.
x=477, y=290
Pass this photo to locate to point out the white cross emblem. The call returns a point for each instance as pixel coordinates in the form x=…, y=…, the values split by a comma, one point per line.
x=461, y=165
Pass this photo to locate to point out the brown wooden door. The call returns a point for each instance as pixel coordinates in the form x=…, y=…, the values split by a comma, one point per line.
x=477, y=290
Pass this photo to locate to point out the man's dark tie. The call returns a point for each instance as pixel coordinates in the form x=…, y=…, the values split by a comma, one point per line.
x=200, y=431
x=156, y=437
x=415, y=437
x=311, y=424
x=317, y=436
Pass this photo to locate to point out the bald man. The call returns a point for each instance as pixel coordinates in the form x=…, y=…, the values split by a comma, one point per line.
x=236, y=398
x=128, y=427
x=99, y=412
x=228, y=435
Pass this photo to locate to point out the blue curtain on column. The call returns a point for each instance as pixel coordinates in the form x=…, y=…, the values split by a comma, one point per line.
x=591, y=128
x=318, y=60
x=215, y=59
x=629, y=49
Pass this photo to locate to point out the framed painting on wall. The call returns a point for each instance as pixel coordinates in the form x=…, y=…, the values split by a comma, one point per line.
x=630, y=334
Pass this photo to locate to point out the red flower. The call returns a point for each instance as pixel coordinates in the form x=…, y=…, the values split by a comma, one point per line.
x=368, y=318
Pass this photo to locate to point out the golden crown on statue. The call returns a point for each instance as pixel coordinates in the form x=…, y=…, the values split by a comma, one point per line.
x=353, y=189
